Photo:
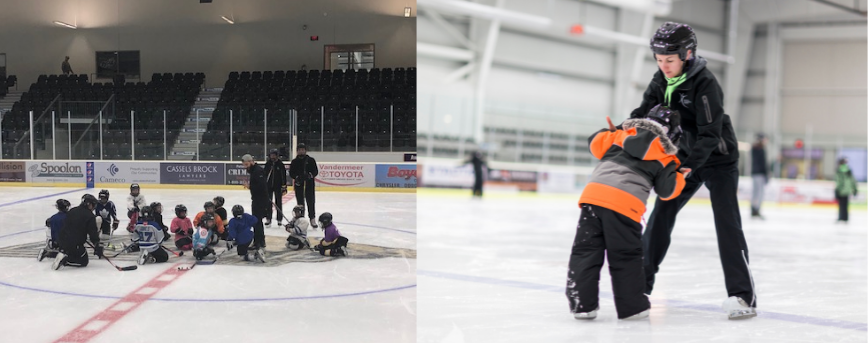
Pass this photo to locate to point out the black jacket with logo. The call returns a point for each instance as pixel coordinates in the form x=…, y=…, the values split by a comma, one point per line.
x=275, y=174
x=258, y=188
x=303, y=169
x=709, y=138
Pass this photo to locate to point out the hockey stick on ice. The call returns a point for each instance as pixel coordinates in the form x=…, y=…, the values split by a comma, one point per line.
x=120, y=269
x=205, y=263
x=178, y=254
x=125, y=249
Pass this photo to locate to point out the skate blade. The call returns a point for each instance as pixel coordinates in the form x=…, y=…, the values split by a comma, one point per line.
x=584, y=316
x=739, y=315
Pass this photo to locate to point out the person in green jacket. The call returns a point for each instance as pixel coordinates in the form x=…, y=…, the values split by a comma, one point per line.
x=845, y=185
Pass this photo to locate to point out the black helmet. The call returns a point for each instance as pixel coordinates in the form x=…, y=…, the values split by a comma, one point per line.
x=237, y=211
x=135, y=187
x=180, y=208
x=274, y=152
x=88, y=199
x=325, y=219
x=219, y=201
x=155, y=206
x=674, y=38
x=209, y=204
x=104, y=194
x=147, y=213
x=207, y=217
x=62, y=205
x=669, y=119
x=298, y=210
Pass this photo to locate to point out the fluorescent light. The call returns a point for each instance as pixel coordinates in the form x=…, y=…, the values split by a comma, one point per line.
x=407, y=11
x=65, y=25
x=227, y=19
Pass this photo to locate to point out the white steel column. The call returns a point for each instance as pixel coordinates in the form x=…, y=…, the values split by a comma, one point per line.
x=484, y=69
x=771, y=110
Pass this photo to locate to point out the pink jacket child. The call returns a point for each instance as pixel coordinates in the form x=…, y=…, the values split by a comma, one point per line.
x=182, y=227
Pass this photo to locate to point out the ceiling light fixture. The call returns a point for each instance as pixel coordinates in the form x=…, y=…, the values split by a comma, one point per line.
x=66, y=25
x=228, y=20
x=407, y=11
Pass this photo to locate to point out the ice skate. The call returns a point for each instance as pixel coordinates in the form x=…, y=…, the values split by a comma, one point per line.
x=268, y=222
x=736, y=308
x=313, y=223
x=59, y=261
x=144, y=258
x=259, y=255
x=42, y=253
x=640, y=315
x=586, y=315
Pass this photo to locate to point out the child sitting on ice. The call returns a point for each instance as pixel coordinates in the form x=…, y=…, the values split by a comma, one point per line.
x=182, y=227
x=240, y=232
x=297, y=228
x=333, y=244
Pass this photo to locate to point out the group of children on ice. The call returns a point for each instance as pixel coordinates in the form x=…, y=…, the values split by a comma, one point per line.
x=200, y=235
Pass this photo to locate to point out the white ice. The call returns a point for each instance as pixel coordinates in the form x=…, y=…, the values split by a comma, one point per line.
x=494, y=270
x=344, y=300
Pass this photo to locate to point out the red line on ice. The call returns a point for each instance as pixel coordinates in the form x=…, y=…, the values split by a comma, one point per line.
x=105, y=319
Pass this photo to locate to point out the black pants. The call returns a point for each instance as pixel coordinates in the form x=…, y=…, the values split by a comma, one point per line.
x=843, y=210
x=184, y=243
x=340, y=242
x=160, y=255
x=477, y=186
x=603, y=232
x=258, y=229
x=243, y=248
x=76, y=255
x=278, y=203
x=722, y=183
x=306, y=193
x=106, y=226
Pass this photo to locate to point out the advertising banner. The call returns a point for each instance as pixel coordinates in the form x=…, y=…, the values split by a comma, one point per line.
x=396, y=176
x=127, y=172
x=346, y=175
x=557, y=182
x=523, y=180
x=193, y=173
x=434, y=175
x=12, y=171
x=56, y=172
x=236, y=174
x=89, y=171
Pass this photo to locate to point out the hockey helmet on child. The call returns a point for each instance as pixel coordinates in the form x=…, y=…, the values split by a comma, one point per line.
x=219, y=201
x=62, y=205
x=298, y=211
x=135, y=189
x=147, y=213
x=208, y=220
x=180, y=208
x=208, y=205
x=103, y=194
x=325, y=219
x=157, y=207
x=670, y=120
x=237, y=211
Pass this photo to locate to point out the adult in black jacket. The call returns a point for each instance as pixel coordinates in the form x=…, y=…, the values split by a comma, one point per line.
x=303, y=171
x=275, y=178
x=79, y=224
x=259, y=199
x=708, y=147
x=478, y=172
x=759, y=172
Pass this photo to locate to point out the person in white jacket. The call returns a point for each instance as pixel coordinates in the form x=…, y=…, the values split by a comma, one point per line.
x=135, y=203
x=297, y=228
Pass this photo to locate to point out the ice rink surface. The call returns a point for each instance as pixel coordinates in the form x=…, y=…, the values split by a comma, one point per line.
x=364, y=298
x=494, y=270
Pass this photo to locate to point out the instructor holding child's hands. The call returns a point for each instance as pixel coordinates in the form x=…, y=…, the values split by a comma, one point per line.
x=709, y=148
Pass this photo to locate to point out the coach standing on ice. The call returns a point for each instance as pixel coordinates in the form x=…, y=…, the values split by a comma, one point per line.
x=303, y=170
x=259, y=197
x=709, y=148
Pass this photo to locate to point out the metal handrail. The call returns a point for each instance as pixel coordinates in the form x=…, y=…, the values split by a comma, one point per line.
x=27, y=133
x=95, y=119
